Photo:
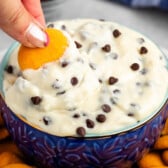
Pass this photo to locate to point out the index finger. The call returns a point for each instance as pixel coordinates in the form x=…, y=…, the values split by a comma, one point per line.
x=35, y=9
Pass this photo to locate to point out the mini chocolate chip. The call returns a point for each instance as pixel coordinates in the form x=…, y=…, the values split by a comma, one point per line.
x=130, y=114
x=76, y=115
x=20, y=74
x=116, y=91
x=36, y=100
x=61, y=93
x=143, y=50
x=81, y=131
x=64, y=64
x=114, y=55
x=112, y=80
x=116, y=33
x=51, y=25
x=72, y=109
x=161, y=57
x=133, y=105
x=90, y=123
x=140, y=40
x=63, y=27
x=147, y=84
x=144, y=71
x=92, y=47
x=47, y=120
x=102, y=20
x=100, y=81
x=113, y=100
x=9, y=69
x=106, y=108
x=74, y=81
x=80, y=60
x=56, y=84
x=92, y=66
x=101, y=118
x=78, y=45
x=106, y=48
x=134, y=66
x=138, y=84
x=84, y=114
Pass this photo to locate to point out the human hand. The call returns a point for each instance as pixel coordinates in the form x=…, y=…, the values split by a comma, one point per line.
x=24, y=21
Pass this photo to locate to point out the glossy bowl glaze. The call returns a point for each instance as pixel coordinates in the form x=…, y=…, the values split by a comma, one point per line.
x=119, y=150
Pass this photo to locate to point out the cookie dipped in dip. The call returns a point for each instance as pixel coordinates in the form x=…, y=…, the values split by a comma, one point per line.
x=108, y=78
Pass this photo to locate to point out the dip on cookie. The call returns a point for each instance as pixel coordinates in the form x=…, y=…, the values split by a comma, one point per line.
x=108, y=79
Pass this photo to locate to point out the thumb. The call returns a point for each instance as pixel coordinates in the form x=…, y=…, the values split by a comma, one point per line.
x=22, y=26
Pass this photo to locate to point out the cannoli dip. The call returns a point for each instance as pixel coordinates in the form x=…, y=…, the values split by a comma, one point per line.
x=110, y=78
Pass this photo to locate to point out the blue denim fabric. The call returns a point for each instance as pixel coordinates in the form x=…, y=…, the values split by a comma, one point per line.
x=162, y=4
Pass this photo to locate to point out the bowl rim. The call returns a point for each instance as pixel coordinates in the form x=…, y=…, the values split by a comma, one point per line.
x=130, y=127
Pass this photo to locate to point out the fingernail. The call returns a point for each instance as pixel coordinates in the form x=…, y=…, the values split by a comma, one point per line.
x=36, y=36
x=48, y=39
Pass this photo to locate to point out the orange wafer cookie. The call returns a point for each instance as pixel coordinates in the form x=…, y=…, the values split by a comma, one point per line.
x=18, y=165
x=9, y=146
x=165, y=130
x=3, y=133
x=151, y=160
x=9, y=158
x=34, y=58
x=165, y=156
x=1, y=120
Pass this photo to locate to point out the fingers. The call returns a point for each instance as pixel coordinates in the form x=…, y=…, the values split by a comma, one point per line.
x=34, y=7
x=21, y=25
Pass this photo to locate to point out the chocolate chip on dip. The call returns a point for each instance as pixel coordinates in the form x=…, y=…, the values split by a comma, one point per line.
x=112, y=80
x=81, y=131
x=106, y=108
x=90, y=123
x=36, y=100
x=9, y=69
x=134, y=66
x=47, y=120
x=106, y=48
x=116, y=33
x=101, y=118
x=143, y=50
x=74, y=81
x=78, y=45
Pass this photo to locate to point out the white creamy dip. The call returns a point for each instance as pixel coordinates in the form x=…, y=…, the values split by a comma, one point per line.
x=111, y=79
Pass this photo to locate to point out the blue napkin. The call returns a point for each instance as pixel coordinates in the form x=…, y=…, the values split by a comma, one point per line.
x=162, y=4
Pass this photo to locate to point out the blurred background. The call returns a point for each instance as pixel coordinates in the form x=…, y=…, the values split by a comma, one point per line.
x=151, y=20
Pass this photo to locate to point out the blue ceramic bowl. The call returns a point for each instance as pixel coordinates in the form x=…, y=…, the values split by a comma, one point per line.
x=119, y=150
